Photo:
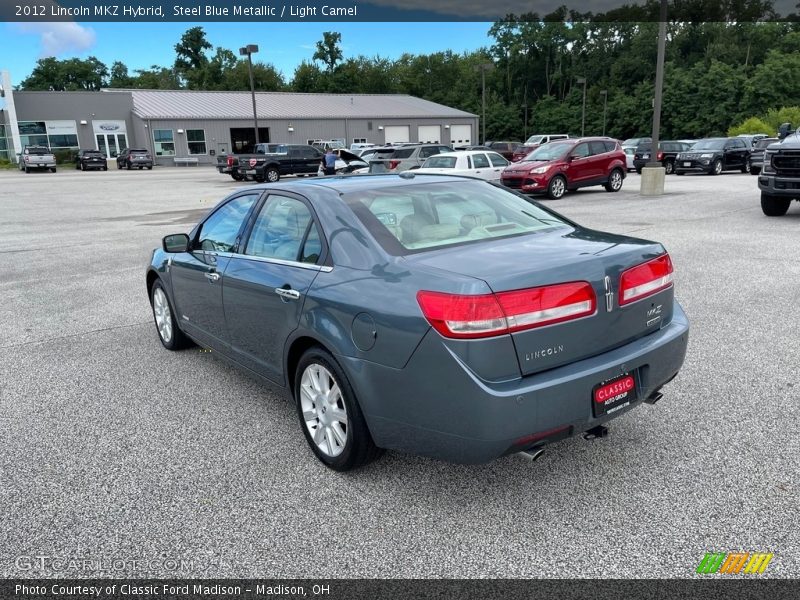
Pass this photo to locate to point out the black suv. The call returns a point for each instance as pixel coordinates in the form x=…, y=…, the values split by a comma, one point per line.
x=667, y=151
x=91, y=159
x=713, y=156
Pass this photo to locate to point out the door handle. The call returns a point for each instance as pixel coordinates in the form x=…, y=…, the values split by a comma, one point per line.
x=212, y=277
x=288, y=294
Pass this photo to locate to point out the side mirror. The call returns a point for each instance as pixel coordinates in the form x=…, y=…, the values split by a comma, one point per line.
x=784, y=130
x=177, y=242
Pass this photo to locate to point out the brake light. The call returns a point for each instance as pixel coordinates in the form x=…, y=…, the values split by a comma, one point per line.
x=645, y=280
x=485, y=315
x=393, y=164
x=230, y=161
x=660, y=156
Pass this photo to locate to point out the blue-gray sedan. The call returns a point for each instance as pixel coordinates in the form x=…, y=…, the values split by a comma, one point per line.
x=443, y=316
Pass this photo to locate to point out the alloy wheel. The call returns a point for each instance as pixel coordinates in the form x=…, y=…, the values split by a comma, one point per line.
x=616, y=180
x=324, y=410
x=557, y=188
x=163, y=315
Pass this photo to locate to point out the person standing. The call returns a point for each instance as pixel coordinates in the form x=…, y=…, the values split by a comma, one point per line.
x=330, y=162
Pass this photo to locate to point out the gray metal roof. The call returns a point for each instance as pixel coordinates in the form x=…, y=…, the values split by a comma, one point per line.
x=183, y=104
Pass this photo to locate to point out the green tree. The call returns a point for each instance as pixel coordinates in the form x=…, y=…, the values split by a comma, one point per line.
x=750, y=125
x=190, y=57
x=328, y=50
x=72, y=74
x=119, y=76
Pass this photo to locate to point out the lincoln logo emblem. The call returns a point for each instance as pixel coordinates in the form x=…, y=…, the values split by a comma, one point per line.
x=609, y=294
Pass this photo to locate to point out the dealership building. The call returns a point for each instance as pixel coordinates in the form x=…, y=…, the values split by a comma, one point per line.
x=176, y=125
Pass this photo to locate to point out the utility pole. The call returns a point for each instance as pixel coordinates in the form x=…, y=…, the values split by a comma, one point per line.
x=248, y=51
x=483, y=68
x=652, y=183
x=604, y=94
x=583, y=110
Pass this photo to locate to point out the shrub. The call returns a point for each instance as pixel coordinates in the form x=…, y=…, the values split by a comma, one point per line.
x=768, y=123
x=751, y=125
x=65, y=156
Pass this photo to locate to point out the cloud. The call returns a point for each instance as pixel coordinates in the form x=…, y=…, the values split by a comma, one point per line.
x=61, y=38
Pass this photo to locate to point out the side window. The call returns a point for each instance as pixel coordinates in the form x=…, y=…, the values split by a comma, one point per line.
x=597, y=147
x=581, y=150
x=312, y=248
x=311, y=153
x=428, y=151
x=497, y=160
x=220, y=230
x=280, y=229
x=480, y=161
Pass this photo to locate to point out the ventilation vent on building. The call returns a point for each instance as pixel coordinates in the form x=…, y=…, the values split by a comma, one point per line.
x=369, y=125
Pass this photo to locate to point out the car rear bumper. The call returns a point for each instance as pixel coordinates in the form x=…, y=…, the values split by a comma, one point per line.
x=779, y=186
x=50, y=165
x=435, y=406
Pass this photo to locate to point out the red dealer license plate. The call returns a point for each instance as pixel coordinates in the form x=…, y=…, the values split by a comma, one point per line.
x=613, y=395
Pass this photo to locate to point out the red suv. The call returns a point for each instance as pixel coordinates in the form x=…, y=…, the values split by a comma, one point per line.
x=556, y=167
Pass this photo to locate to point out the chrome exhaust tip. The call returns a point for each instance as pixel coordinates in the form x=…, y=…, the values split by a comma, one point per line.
x=531, y=455
x=654, y=397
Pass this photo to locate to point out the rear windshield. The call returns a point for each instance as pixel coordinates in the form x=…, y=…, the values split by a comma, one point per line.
x=38, y=150
x=138, y=151
x=406, y=219
x=535, y=139
x=403, y=153
x=441, y=162
x=714, y=144
x=550, y=151
x=763, y=143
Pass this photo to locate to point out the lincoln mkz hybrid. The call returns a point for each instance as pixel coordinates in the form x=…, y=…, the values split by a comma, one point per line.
x=437, y=315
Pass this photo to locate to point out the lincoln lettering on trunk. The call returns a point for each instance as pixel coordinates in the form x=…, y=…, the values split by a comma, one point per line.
x=544, y=352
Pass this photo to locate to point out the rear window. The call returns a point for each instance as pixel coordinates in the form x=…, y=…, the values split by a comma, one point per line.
x=441, y=162
x=406, y=219
x=403, y=153
x=763, y=143
x=38, y=150
x=138, y=151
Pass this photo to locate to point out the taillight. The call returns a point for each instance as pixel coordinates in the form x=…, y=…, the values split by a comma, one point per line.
x=393, y=164
x=230, y=161
x=660, y=156
x=485, y=315
x=645, y=280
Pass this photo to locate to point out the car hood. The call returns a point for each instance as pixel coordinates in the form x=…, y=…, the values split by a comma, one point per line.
x=525, y=166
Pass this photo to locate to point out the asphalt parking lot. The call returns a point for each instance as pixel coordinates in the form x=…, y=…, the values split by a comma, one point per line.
x=114, y=448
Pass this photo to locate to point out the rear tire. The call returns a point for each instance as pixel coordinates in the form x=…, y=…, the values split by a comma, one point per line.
x=272, y=175
x=105, y=168
x=130, y=166
x=329, y=413
x=53, y=170
x=237, y=176
x=638, y=171
x=746, y=168
x=557, y=187
x=669, y=167
x=755, y=170
x=119, y=166
x=172, y=338
x=149, y=168
x=774, y=206
x=615, y=179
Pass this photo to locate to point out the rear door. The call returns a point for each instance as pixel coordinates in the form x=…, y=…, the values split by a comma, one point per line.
x=498, y=164
x=482, y=167
x=197, y=275
x=266, y=283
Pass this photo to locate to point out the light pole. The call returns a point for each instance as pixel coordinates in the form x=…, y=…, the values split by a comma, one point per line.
x=652, y=183
x=583, y=110
x=604, y=94
x=483, y=68
x=525, y=106
x=248, y=51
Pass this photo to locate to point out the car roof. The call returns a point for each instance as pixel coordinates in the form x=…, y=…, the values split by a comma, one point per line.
x=464, y=152
x=348, y=183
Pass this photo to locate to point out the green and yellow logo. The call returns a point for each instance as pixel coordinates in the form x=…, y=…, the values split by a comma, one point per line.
x=732, y=563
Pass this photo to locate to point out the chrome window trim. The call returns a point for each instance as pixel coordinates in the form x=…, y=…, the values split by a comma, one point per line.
x=274, y=261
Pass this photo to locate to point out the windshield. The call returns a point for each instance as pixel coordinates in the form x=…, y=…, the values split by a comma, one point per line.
x=440, y=162
x=416, y=217
x=712, y=144
x=764, y=142
x=550, y=151
x=535, y=139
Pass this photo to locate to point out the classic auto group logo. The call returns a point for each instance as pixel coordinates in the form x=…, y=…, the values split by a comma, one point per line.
x=733, y=563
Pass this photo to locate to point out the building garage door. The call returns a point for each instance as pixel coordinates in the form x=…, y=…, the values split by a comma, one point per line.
x=394, y=134
x=460, y=135
x=430, y=134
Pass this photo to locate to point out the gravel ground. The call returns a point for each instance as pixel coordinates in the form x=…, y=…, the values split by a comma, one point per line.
x=175, y=464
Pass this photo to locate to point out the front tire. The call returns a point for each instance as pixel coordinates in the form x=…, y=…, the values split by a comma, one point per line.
x=53, y=170
x=557, y=187
x=329, y=414
x=755, y=170
x=716, y=168
x=746, y=168
x=774, y=206
x=172, y=338
x=669, y=167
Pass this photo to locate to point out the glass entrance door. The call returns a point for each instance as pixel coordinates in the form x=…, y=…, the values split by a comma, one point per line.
x=111, y=144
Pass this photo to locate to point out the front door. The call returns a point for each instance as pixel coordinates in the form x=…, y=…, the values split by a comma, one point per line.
x=266, y=284
x=111, y=144
x=197, y=275
x=580, y=167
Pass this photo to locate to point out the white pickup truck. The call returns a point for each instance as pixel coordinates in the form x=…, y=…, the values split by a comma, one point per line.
x=36, y=157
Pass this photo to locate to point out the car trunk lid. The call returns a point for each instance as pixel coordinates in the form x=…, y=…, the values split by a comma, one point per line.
x=561, y=256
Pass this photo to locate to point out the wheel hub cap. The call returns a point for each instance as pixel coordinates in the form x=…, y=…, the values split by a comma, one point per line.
x=324, y=411
x=162, y=315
